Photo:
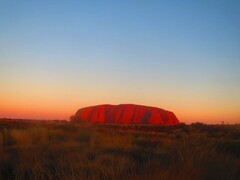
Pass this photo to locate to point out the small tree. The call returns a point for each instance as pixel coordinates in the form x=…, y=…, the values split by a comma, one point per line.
x=76, y=119
x=73, y=119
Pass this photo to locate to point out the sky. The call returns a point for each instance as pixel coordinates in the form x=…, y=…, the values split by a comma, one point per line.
x=61, y=55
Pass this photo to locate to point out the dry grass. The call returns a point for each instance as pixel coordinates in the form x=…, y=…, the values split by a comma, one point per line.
x=75, y=151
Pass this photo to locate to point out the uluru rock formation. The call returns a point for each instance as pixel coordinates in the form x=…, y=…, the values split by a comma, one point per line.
x=126, y=114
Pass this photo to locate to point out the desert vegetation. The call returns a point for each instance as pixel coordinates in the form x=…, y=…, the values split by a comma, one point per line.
x=64, y=150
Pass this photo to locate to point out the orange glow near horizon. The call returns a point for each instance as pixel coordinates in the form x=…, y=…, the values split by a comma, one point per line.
x=64, y=114
x=31, y=101
x=38, y=108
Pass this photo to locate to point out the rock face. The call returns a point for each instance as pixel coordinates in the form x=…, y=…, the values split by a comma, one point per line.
x=126, y=114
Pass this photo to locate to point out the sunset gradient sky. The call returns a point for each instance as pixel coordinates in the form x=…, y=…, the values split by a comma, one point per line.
x=60, y=55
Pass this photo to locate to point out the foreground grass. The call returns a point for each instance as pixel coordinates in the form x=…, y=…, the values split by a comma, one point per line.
x=61, y=150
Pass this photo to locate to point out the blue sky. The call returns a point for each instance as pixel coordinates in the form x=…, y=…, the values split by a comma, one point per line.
x=179, y=55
